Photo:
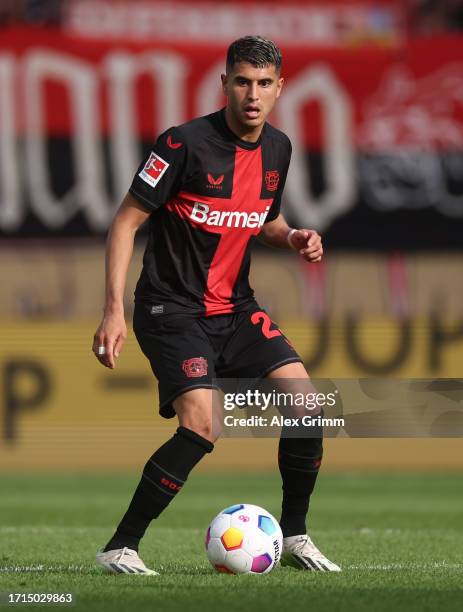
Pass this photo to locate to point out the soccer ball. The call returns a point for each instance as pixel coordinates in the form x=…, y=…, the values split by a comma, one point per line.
x=244, y=539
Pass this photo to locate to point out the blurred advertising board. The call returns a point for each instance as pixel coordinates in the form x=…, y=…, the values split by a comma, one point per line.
x=305, y=22
x=61, y=410
x=377, y=132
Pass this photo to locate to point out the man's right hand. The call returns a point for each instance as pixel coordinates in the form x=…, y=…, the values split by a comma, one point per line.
x=110, y=335
x=112, y=331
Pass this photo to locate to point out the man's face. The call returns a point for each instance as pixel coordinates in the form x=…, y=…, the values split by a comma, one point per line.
x=251, y=93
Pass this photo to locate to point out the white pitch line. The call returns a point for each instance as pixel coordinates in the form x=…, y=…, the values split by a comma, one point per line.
x=47, y=529
x=364, y=531
x=384, y=568
x=405, y=566
x=17, y=569
x=384, y=531
x=80, y=530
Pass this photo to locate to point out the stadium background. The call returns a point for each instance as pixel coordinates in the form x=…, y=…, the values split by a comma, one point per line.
x=373, y=104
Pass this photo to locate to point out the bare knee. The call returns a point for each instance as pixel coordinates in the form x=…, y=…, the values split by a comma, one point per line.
x=197, y=410
x=293, y=380
x=203, y=427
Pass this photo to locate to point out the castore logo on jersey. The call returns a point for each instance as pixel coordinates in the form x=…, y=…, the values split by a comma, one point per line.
x=215, y=183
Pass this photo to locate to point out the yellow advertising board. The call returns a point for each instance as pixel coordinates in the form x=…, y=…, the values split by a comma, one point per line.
x=62, y=410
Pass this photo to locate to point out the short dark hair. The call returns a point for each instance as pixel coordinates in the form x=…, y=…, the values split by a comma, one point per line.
x=255, y=50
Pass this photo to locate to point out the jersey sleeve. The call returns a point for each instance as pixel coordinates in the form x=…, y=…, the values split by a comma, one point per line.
x=276, y=204
x=159, y=176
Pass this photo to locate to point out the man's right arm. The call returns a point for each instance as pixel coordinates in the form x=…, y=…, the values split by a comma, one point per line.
x=112, y=330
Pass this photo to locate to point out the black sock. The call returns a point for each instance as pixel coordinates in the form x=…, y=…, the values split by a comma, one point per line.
x=163, y=476
x=299, y=460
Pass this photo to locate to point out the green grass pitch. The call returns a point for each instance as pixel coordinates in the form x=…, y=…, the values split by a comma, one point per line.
x=398, y=537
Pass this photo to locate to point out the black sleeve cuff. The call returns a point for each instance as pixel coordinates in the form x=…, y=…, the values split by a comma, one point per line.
x=144, y=201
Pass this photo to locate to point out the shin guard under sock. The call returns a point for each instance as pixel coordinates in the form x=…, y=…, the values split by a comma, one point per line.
x=163, y=476
x=299, y=461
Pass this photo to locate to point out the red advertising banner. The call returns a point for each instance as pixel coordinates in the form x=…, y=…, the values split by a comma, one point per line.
x=375, y=132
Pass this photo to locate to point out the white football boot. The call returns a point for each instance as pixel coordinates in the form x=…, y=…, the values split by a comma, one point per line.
x=300, y=552
x=123, y=561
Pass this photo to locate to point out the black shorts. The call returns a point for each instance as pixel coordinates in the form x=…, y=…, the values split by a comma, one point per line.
x=188, y=352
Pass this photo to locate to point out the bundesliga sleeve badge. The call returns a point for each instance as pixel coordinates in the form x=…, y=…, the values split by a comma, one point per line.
x=153, y=170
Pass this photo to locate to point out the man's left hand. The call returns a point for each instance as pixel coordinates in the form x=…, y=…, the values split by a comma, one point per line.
x=308, y=243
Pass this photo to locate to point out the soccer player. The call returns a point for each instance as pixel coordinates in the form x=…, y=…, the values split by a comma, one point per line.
x=209, y=187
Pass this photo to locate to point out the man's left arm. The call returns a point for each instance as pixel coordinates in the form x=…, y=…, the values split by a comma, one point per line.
x=307, y=242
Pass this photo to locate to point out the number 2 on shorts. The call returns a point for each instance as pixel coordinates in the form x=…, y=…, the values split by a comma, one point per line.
x=259, y=316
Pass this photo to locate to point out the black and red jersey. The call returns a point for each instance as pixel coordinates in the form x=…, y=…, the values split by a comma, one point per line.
x=210, y=193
